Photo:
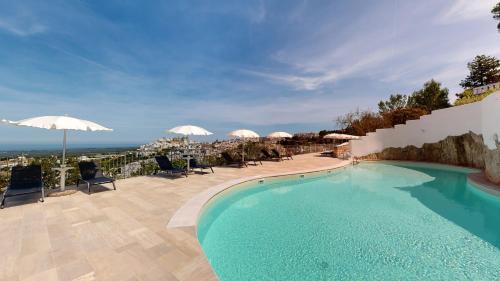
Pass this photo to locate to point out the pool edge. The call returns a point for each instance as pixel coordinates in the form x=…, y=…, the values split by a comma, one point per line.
x=187, y=215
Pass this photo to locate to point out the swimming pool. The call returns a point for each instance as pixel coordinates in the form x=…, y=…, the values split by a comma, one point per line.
x=364, y=222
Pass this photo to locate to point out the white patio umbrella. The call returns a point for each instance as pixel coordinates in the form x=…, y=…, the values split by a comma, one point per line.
x=243, y=134
x=59, y=123
x=336, y=136
x=279, y=135
x=188, y=130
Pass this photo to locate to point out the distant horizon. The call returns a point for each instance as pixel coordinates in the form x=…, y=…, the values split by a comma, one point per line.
x=8, y=147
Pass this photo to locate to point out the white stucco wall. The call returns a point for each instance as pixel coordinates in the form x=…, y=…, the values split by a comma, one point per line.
x=480, y=118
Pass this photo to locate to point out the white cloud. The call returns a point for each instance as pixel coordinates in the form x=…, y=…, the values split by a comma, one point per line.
x=22, y=29
x=313, y=76
x=462, y=10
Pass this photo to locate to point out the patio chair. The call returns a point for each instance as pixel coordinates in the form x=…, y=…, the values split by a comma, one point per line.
x=91, y=175
x=193, y=163
x=167, y=167
x=24, y=180
x=328, y=153
x=268, y=156
x=278, y=154
x=229, y=160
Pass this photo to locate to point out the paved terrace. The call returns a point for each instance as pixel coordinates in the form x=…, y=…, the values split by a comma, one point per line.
x=118, y=235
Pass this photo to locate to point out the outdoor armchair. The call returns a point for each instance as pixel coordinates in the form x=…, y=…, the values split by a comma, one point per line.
x=167, y=167
x=91, y=175
x=24, y=180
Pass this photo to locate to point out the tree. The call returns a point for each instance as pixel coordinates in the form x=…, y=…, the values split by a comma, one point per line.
x=496, y=11
x=401, y=115
x=395, y=102
x=360, y=122
x=483, y=71
x=431, y=97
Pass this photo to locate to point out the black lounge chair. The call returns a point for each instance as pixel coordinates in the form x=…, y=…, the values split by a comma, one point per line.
x=229, y=160
x=268, y=156
x=167, y=167
x=278, y=154
x=328, y=153
x=249, y=159
x=24, y=180
x=92, y=175
x=193, y=163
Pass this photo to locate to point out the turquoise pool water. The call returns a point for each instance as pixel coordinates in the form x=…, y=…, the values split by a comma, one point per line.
x=371, y=221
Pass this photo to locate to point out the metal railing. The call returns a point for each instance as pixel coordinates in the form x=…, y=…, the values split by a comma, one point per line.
x=130, y=164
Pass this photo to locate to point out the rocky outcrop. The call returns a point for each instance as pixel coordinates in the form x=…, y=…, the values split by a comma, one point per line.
x=466, y=150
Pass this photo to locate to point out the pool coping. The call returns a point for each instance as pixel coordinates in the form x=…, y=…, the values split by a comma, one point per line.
x=482, y=184
x=187, y=215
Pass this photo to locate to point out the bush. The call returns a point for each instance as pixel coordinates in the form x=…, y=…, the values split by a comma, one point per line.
x=359, y=123
x=50, y=178
x=400, y=116
x=469, y=97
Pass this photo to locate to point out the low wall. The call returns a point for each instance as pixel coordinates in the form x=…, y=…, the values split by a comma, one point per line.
x=464, y=135
x=465, y=150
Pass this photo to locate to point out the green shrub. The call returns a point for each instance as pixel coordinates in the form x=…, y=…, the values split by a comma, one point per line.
x=469, y=97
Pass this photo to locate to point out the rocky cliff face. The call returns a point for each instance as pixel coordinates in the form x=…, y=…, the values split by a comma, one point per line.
x=465, y=150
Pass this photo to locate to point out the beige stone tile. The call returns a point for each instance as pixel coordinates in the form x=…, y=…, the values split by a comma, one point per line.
x=118, y=235
x=76, y=269
x=34, y=263
x=47, y=275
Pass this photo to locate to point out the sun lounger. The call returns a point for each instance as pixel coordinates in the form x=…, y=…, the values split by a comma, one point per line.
x=167, y=167
x=193, y=163
x=24, y=180
x=230, y=160
x=329, y=153
x=278, y=154
x=268, y=155
x=91, y=175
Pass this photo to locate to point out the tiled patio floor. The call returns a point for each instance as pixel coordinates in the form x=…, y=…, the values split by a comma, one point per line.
x=118, y=235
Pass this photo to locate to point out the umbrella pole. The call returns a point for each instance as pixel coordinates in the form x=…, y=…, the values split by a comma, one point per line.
x=64, y=149
x=243, y=151
x=189, y=155
x=62, y=170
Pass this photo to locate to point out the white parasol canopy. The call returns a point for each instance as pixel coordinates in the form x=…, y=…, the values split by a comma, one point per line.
x=243, y=134
x=187, y=130
x=341, y=137
x=59, y=123
x=190, y=130
x=279, y=135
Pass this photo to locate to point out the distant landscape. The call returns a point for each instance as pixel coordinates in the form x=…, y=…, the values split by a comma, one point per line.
x=8, y=150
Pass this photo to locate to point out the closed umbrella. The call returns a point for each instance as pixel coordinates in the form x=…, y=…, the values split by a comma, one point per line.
x=64, y=123
x=188, y=130
x=243, y=134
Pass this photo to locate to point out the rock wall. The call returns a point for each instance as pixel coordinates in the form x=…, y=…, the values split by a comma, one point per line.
x=465, y=150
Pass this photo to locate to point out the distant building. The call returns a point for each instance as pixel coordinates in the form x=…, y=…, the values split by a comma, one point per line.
x=308, y=135
x=482, y=89
x=493, y=86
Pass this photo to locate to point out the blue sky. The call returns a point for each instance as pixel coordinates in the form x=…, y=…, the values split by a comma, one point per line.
x=141, y=67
